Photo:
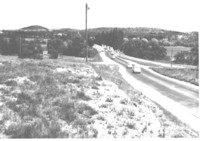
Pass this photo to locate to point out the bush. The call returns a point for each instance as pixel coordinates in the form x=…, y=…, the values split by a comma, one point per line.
x=26, y=53
x=146, y=50
x=37, y=56
x=76, y=47
x=34, y=128
x=9, y=46
x=183, y=57
x=53, y=54
x=92, y=52
x=30, y=49
x=53, y=47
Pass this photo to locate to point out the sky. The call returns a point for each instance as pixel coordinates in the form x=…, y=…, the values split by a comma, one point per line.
x=178, y=15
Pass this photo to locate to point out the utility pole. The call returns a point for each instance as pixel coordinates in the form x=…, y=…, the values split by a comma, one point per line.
x=20, y=50
x=171, y=59
x=86, y=36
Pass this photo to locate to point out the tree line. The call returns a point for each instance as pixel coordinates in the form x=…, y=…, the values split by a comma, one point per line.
x=133, y=47
x=113, y=38
x=69, y=44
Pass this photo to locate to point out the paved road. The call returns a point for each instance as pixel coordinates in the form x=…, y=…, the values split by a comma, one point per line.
x=153, y=63
x=181, y=100
x=183, y=94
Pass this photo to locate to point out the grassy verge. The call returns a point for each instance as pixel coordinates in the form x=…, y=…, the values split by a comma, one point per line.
x=111, y=73
x=186, y=74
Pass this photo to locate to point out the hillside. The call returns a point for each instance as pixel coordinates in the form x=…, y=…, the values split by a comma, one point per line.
x=34, y=28
x=65, y=99
x=137, y=30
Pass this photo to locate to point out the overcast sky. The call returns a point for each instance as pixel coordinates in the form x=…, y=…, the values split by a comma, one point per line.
x=179, y=15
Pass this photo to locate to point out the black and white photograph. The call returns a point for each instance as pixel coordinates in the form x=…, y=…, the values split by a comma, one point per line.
x=99, y=69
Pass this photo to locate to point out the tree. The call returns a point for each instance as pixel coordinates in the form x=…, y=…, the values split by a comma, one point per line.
x=112, y=38
x=30, y=49
x=195, y=54
x=183, y=57
x=91, y=41
x=9, y=46
x=142, y=49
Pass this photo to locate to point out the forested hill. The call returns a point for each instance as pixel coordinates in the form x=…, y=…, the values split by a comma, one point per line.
x=181, y=38
x=137, y=30
x=34, y=28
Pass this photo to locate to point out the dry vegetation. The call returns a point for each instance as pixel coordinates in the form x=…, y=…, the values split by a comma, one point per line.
x=183, y=74
x=172, y=50
x=63, y=99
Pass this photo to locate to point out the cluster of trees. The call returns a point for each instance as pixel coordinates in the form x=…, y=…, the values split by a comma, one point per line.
x=148, y=36
x=72, y=44
x=112, y=38
x=30, y=49
x=144, y=49
x=9, y=46
x=165, y=37
x=185, y=57
x=28, y=34
x=20, y=47
x=71, y=47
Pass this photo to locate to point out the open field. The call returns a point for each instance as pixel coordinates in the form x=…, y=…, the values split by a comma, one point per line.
x=63, y=98
x=183, y=74
x=174, y=50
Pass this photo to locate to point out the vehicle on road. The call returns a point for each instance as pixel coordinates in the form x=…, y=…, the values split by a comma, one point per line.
x=129, y=65
x=113, y=56
x=136, y=69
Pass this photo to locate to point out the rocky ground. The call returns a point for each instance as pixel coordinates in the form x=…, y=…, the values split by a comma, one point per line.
x=60, y=98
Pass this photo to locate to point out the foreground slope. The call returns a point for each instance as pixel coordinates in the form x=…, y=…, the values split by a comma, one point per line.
x=62, y=98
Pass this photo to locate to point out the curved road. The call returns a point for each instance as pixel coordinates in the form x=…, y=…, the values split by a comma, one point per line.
x=181, y=100
x=182, y=94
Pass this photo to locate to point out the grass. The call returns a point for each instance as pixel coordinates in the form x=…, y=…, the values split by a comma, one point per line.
x=97, y=58
x=54, y=104
x=39, y=108
x=144, y=63
x=111, y=73
x=185, y=128
x=185, y=74
x=174, y=50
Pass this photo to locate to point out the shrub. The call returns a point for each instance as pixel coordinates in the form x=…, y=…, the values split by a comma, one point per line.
x=67, y=110
x=9, y=46
x=34, y=128
x=81, y=95
x=130, y=124
x=30, y=49
x=146, y=50
x=84, y=108
x=53, y=54
x=92, y=52
x=26, y=53
x=183, y=57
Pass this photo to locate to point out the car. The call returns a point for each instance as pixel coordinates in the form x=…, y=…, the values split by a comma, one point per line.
x=113, y=56
x=136, y=69
x=129, y=65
